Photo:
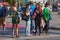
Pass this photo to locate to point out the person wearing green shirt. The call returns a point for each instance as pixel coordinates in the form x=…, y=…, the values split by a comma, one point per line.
x=47, y=17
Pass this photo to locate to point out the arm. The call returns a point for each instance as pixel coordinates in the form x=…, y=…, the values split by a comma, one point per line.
x=46, y=14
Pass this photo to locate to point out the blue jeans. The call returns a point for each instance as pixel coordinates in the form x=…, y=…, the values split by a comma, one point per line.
x=28, y=27
x=32, y=23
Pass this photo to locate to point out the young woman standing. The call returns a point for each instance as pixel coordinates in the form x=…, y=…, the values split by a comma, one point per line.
x=38, y=16
x=28, y=22
x=15, y=19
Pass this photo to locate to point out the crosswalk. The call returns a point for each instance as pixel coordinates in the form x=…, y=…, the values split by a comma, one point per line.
x=9, y=25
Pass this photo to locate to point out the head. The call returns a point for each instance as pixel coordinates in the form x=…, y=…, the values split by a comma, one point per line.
x=47, y=5
x=31, y=3
x=15, y=4
x=27, y=6
x=37, y=4
x=40, y=6
x=22, y=3
x=34, y=3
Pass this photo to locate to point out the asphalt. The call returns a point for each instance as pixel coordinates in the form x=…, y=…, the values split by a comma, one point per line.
x=53, y=34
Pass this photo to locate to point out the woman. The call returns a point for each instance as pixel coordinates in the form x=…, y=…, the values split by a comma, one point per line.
x=28, y=22
x=47, y=17
x=38, y=16
x=15, y=19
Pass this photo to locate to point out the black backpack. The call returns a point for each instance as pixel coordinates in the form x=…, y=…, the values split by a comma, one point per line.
x=24, y=17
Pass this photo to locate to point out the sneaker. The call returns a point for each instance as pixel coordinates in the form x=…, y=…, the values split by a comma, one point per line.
x=29, y=35
x=46, y=32
x=17, y=36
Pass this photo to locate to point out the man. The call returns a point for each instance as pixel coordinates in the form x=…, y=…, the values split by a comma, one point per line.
x=32, y=8
x=3, y=11
x=47, y=17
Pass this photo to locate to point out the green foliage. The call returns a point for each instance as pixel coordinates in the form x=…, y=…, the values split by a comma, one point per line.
x=10, y=1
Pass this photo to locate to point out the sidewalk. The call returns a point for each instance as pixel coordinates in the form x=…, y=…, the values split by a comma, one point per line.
x=8, y=37
x=55, y=22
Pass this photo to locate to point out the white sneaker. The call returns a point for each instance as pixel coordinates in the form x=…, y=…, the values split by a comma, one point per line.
x=28, y=35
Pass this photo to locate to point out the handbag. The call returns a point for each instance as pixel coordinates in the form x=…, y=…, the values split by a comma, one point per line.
x=24, y=17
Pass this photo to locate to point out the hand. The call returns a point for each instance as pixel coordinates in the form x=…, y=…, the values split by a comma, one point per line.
x=30, y=10
x=37, y=11
x=18, y=12
x=34, y=14
x=27, y=14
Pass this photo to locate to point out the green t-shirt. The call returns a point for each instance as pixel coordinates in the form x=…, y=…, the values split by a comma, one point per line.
x=46, y=12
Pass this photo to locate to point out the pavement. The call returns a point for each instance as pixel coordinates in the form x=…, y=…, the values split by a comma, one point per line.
x=54, y=31
x=55, y=22
x=53, y=35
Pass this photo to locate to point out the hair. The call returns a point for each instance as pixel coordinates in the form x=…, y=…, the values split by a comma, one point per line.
x=30, y=2
x=3, y=1
x=37, y=4
x=14, y=3
x=27, y=6
x=47, y=4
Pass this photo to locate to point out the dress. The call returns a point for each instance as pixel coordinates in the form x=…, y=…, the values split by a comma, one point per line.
x=15, y=17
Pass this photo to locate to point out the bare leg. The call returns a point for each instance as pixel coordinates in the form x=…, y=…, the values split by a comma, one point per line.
x=13, y=30
x=4, y=27
x=17, y=30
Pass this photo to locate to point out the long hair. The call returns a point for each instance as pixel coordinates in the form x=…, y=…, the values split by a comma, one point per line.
x=15, y=3
x=27, y=6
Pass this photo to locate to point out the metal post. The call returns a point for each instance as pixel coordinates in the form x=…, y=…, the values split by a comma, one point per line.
x=19, y=3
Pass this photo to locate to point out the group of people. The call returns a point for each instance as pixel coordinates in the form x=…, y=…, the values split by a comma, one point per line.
x=33, y=16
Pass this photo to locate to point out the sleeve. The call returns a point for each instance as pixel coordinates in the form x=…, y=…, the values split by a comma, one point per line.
x=45, y=11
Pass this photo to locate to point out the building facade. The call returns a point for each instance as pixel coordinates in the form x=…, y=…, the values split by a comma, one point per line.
x=36, y=0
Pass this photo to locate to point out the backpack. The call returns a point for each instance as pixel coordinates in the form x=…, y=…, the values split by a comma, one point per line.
x=3, y=11
x=23, y=9
x=24, y=17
